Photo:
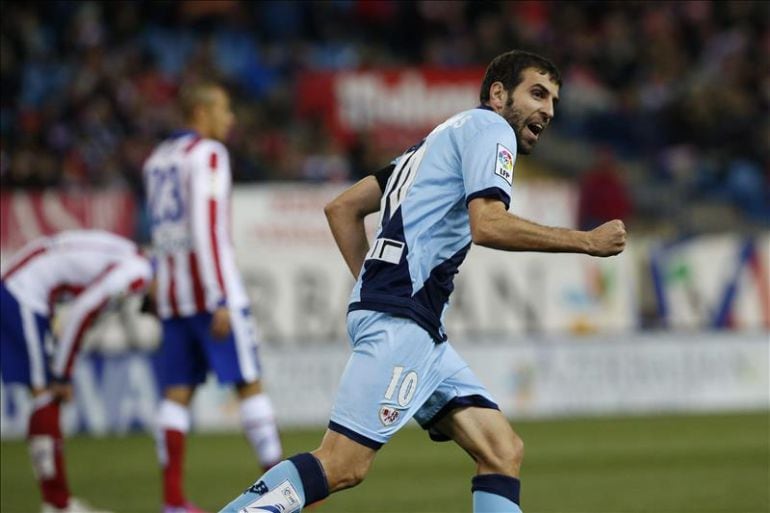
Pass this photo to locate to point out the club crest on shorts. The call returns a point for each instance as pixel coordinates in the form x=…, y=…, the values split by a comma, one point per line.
x=504, y=164
x=388, y=415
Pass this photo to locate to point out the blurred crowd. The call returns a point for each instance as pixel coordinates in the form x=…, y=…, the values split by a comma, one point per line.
x=681, y=87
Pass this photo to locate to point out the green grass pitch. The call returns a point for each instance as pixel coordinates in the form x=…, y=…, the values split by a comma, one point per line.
x=666, y=464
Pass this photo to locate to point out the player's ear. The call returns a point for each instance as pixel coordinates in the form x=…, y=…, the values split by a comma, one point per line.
x=497, y=95
x=199, y=113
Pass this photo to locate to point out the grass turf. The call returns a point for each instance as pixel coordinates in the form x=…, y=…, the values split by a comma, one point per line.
x=671, y=464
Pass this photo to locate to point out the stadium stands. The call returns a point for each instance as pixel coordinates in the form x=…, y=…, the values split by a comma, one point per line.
x=677, y=90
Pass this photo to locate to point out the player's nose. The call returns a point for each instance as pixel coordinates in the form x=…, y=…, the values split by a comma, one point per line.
x=548, y=111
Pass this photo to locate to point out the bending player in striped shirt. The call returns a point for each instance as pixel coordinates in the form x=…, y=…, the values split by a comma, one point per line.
x=98, y=269
x=200, y=296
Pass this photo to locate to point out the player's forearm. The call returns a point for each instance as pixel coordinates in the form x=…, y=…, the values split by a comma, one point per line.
x=346, y=214
x=508, y=232
x=349, y=233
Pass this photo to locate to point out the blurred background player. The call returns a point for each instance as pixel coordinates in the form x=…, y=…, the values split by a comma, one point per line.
x=96, y=269
x=451, y=189
x=205, y=312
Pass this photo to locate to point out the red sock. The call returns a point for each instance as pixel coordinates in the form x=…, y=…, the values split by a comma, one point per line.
x=46, y=450
x=172, y=467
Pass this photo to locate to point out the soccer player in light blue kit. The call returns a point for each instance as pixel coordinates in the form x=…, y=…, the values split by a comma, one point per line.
x=449, y=191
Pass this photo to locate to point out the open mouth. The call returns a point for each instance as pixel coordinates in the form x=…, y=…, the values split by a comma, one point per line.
x=536, y=128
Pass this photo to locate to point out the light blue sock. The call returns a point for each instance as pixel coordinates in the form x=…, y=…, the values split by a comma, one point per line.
x=272, y=479
x=495, y=493
x=485, y=502
x=285, y=488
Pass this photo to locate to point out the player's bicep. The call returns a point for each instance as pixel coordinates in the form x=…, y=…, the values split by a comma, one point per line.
x=487, y=164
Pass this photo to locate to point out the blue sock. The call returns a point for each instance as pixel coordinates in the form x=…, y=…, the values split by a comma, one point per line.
x=495, y=493
x=285, y=488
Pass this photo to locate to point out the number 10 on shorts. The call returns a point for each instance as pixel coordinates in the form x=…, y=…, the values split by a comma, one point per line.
x=406, y=386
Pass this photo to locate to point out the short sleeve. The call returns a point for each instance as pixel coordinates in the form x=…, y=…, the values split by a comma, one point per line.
x=383, y=175
x=487, y=163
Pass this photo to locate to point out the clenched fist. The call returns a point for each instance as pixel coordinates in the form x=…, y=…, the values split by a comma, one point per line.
x=608, y=239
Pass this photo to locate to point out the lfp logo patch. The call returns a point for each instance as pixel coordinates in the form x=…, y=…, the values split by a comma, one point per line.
x=504, y=164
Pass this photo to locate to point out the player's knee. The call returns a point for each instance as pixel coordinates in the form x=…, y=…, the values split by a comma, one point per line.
x=340, y=477
x=352, y=476
x=248, y=389
x=505, y=456
x=340, y=472
x=517, y=450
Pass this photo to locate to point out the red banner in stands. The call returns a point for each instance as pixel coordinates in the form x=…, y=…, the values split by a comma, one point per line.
x=395, y=106
x=27, y=215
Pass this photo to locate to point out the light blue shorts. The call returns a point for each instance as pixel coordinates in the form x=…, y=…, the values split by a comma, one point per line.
x=397, y=372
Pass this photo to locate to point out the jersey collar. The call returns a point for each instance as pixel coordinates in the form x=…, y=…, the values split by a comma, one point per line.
x=182, y=132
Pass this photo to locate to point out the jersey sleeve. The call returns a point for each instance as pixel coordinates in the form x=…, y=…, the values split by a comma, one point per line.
x=209, y=217
x=487, y=163
x=383, y=175
x=129, y=276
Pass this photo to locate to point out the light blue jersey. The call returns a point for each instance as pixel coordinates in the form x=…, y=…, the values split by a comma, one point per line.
x=424, y=231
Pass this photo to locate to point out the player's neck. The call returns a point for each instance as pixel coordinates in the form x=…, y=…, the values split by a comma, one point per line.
x=198, y=128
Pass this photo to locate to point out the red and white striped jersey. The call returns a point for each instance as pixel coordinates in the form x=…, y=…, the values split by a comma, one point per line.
x=188, y=186
x=94, y=266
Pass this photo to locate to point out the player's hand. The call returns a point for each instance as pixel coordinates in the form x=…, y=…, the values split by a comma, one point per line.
x=220, y=323
x=608, y=239
x=149, y=300
x=61, y=391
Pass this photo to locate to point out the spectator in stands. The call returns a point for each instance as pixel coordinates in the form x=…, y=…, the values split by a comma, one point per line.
x=85, y=85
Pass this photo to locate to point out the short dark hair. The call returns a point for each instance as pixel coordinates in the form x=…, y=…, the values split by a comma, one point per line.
x=507, y=68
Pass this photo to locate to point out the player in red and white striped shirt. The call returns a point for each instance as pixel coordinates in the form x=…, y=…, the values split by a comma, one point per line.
x=95, y=269
x=200, y=297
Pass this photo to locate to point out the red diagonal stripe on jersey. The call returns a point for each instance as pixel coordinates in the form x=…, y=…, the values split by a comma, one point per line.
x=84, y=324
x=87, y=319
x=24, y=261
x=192, y=144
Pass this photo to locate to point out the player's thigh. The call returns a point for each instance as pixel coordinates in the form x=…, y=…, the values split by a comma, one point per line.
x=390, y=374
x=23, y=336
x=181, y=359
x=487, y=436
x=235, y=359
x=459, y=388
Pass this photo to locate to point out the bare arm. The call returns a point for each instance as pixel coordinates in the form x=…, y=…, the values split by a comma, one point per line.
x=345, y=215
x=493, y=226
